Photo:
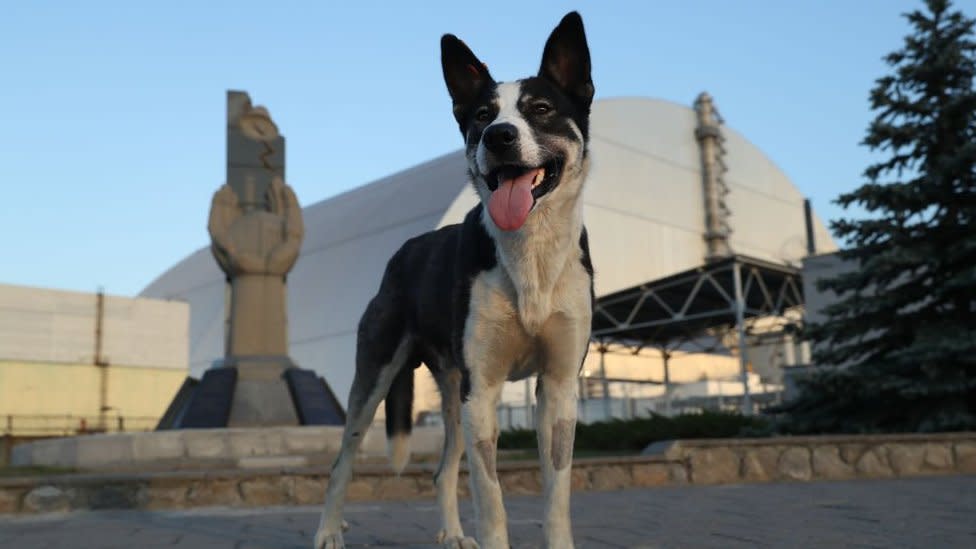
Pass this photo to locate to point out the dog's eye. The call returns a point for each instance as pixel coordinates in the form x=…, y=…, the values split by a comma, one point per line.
x=482, y=115
x=541, y=108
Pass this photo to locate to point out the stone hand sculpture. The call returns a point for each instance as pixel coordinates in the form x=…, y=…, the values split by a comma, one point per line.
x=249, y=240
x=256, y=233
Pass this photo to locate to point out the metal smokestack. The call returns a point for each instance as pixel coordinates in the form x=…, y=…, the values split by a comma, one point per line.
x=808, y=219
x=708, y=133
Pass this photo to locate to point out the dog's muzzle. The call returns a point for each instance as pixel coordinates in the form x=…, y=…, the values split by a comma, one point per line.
x=515, y=189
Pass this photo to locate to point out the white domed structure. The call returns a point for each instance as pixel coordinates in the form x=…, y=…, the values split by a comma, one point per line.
x=644, y=210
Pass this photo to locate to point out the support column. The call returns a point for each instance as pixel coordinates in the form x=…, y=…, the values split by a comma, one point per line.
x=789, y=350
x=606, y=384
x=666, y=355
x=740, y=326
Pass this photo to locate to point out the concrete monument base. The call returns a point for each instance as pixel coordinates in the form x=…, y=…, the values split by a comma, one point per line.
x=253, y=391
x=188, y=449
x=262, y=397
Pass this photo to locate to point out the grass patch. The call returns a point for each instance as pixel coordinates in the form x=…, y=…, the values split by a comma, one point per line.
x=34, y=471
x=532, y=454
x=622, y=437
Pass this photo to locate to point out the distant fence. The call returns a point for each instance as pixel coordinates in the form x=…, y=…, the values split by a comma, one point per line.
x=594, y=410
x=51, y=425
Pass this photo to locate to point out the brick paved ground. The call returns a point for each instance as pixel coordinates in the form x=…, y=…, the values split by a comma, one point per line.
x=928, y=512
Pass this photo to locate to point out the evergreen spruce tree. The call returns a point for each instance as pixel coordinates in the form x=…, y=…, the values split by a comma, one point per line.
x=901, y=337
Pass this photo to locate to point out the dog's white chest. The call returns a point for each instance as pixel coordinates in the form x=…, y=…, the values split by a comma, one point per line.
x=530, y=294
x=507, y=322
x=543, y=291
x=543, y=267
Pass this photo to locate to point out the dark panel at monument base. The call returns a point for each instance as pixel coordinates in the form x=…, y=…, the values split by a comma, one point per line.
x=210, y=406
x=314, y=401
x=177, y=409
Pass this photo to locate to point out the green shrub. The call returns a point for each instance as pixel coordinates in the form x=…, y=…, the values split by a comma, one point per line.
x=635, y=434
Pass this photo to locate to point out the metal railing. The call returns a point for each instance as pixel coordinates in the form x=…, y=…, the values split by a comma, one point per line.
x=594, y=410
x=50, y=425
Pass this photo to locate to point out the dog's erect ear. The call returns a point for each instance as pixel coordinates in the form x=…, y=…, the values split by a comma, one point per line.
x=464, y=74
x=566, y=59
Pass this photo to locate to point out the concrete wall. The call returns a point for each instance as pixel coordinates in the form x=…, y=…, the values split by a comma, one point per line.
x=815, y=268
x=54, y=326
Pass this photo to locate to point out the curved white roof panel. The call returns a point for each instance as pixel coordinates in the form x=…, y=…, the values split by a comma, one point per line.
x=644, y=210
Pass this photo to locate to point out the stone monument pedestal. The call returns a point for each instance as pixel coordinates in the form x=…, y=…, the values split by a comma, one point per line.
x=262, y=396
x=255, y=391
x=209, y=449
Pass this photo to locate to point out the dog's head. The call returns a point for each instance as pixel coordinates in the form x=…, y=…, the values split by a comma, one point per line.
x=526, y=140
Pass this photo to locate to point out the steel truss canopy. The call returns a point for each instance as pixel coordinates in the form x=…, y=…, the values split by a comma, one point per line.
x=690, y=303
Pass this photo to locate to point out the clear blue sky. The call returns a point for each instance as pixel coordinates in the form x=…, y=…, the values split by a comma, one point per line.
x=112, y=113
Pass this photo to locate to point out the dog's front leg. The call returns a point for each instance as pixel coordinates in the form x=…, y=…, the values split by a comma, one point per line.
x=566, y=343
x=481, y=441
x=451, y=536
x=491, y=344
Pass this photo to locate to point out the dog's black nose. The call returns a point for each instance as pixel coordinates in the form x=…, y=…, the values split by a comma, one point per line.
x=499, y=138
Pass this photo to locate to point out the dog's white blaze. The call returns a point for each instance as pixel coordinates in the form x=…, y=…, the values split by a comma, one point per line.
x=508, y=113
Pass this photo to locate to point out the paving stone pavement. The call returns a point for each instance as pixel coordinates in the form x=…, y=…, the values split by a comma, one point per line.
x=935, y=512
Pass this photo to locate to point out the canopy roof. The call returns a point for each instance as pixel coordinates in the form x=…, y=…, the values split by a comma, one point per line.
x=685, y=305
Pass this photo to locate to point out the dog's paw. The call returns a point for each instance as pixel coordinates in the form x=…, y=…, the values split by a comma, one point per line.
x=460, y=543
x=329, y=541
x=326, y=540
x=455, y=542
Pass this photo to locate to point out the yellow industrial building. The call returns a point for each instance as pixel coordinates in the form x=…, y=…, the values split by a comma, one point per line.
x=73, y=362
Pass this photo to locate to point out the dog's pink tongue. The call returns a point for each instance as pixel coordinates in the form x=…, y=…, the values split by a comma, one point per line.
x=510, y=203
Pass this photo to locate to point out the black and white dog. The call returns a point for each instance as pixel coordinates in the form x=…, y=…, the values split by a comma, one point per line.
x=505, y=294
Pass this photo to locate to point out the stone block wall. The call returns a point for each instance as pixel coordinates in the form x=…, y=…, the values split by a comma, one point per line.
x=821, y=457
x=796, y=459
x=300, y=486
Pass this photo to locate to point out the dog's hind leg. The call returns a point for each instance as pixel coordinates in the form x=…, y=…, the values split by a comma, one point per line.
x=566, y=343
x=383, y=349
x=451, y=536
